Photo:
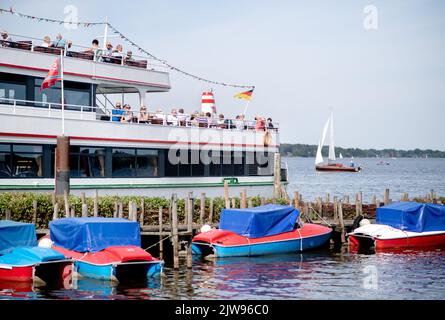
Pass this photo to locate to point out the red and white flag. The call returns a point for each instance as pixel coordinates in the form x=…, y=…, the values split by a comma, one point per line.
x=53, y=76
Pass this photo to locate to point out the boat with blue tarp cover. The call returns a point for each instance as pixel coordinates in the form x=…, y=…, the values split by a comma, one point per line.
x=22, y=260
x=268, y=229
x=104, y=248
x=402, y=225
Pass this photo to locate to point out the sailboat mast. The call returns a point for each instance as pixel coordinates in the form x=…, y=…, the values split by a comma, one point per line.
x=331, y=140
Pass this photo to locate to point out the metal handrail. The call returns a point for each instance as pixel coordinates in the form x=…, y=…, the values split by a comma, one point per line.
x=214, y=123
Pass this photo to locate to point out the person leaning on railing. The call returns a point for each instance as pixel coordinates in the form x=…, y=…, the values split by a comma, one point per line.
x=6, y=40
x=117, y=112
x=127, y=116
x=143, y=116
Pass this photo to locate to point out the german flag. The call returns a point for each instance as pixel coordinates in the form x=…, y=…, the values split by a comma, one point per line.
x=244, y=95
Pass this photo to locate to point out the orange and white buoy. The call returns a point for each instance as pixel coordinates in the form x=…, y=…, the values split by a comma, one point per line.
x=208, y=102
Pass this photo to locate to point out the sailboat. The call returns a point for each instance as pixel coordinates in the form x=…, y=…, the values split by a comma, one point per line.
x=331, y=165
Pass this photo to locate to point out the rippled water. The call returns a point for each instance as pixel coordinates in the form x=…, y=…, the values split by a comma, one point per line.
x=314, y=275
x=417, y=177
x=324, y=274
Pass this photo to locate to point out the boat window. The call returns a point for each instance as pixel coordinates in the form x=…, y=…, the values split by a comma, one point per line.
x=74, y=94
x=26, y=148
x=87, y=162
x=9, y=90
x=21, y=161
x=5, y=147
x=5, y=165
x=147, y=163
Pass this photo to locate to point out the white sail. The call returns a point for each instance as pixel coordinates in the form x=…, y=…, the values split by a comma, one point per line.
x=319, y=157
x=340, y=156
x=331, y=140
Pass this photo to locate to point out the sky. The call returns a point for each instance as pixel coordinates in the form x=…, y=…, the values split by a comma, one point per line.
x=382, y=72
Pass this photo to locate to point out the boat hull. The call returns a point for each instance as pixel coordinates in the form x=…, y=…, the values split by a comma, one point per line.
x=393, y=239
x=337, y=168
x=49, y=273
x=228, y=244
x=118, y=263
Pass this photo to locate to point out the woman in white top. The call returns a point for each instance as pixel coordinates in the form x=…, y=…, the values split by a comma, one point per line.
x=46, y=42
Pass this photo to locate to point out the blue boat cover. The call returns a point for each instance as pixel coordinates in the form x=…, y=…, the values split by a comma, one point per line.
x=16, y=234
x=260, y=221
x=94, y=234
x=412, y=216
x=30, y=256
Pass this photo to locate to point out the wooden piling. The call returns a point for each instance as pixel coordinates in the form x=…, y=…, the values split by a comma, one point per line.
x=34, y=211
x=211, y=211
x=67, y=204
x=250, y=203
x=161, y=227
x=233, y=203
x=116, y=209
x=328, y=198
x=141, y=216
x=346, y=199
x=263, y=201
x=73, y=213
x=342, y=224
x=226, y=194
x=120, y=212
x=386, y=197
x=243, y=199
x=277, y=175
x=202, y=208
x=82, y=197
x=56, y=211
x=358, y=204
x=335, y=209
x=84, y=210
x=8, y=214
x=96, y=204
x=134, y=210
x=296, y=200
x=189, y=260
x=175, y=237
x=190, y=211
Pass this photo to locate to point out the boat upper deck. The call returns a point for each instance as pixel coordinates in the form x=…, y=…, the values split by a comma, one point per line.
x=111, y=74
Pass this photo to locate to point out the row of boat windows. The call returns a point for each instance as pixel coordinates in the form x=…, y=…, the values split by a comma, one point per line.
x=33, y=161
x=28, y=88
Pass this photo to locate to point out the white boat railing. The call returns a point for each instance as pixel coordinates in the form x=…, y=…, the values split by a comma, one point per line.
x=127, y=59
x=82, y=112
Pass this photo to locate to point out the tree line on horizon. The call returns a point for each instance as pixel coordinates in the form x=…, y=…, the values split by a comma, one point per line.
x=308, y=150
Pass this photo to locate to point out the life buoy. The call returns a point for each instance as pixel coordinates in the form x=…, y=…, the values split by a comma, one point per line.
x=267, y=138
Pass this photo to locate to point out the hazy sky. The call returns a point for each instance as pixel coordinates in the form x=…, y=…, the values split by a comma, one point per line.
x=386, y=86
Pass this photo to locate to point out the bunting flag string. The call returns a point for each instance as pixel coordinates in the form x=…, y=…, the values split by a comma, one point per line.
x=122, y=36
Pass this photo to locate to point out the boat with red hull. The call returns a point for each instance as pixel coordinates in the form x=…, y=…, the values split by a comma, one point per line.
x=402, y=225
x=269, y=229
x=104, y=248
x=21, y=260
x=337, y=167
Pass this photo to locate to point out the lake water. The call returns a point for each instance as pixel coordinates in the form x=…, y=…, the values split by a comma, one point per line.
x=324, y=274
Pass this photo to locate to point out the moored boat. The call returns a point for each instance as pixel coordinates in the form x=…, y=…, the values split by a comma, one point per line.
x=263, y=230
x=21, y=260
x=104, y=248
x=402, y=225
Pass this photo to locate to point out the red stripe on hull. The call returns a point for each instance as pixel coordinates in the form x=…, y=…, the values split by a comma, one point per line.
x=21, y=274
x=412, y=242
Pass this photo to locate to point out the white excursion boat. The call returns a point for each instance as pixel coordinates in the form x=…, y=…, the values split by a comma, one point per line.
x=331, y=165
x=112, y=157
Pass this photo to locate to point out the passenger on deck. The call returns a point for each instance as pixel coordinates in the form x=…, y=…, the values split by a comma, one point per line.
x=183, y=118
x=202, y=120
x=129, y=56
x=143, y=115
x=160, y=116
x=59, y=42
x=117, y=112
x=239, y=122
x=108, y=53
x=46, y=42
x=127, y=115
x=6, y=40
x=221, y=121
x=269, y=123
x=117, y=53
x=260, y=123
x=172, y=118
x=94, y=49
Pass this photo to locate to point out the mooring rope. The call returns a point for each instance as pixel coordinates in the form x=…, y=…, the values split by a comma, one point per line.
x=157, y=242
x=310, y=207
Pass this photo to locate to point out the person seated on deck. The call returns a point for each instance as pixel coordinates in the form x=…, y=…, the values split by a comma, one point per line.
x=239, y=122
x=127, y=116
x=159, y=117
x=59, y=42
x=143, y=115
x=212, y=122
x=118, y=53
x=183, y=118
x=202, y=120
x=95, y=50
x=172, y=118
x=6, y=40
x=221, y=122
x=259, y=123
x=129, y=56
x=46, y=42
x=107, y=53
x=117, y=112
x=269, y=124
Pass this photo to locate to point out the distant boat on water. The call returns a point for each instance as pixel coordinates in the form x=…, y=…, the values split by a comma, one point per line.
x=331, y=165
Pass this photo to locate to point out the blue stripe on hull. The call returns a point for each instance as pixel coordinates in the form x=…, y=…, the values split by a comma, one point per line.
x=107, y=271
x=278, y=247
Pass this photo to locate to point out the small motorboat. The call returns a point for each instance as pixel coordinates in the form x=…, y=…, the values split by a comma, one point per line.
x=402, y=225
x=337, y=167
x=104, y=248
x=22, y=260
x=263, y=230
